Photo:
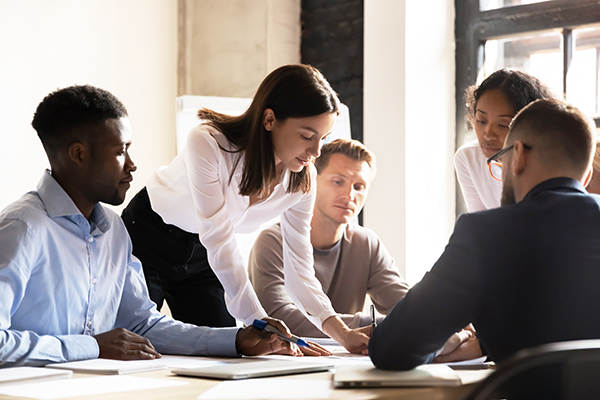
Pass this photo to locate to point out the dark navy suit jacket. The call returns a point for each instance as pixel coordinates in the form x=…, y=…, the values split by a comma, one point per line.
x=524, y=275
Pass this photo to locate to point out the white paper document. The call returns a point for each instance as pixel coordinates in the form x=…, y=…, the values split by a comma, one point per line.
x=269, y=388
x=86, y=387
x=475, y=362
x=111, y=367
x=192, y=362
x=17, y=375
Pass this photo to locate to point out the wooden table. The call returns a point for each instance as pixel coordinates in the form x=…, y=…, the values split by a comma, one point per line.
x=197, y=386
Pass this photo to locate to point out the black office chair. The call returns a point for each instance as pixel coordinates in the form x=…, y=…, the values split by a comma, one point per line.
x=578, y=364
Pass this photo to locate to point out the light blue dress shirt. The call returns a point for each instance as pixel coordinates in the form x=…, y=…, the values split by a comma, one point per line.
x=64, y=278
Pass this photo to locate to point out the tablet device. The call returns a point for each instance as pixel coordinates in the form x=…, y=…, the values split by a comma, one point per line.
x=256, y=369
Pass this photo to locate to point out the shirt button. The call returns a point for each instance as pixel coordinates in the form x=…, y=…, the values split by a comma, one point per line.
x=94, y=281
x=89, y=323
x=90, y=240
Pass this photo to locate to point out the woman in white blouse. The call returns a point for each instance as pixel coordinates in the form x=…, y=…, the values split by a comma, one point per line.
x=234, y=174
x=490, y=108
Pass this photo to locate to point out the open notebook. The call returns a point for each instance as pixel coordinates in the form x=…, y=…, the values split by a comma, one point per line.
x=255, y=369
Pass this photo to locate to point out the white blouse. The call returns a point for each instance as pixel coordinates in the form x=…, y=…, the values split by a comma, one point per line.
x=480, y=190
x=194, y=193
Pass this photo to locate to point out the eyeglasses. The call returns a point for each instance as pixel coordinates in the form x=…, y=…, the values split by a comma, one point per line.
x=494, y=164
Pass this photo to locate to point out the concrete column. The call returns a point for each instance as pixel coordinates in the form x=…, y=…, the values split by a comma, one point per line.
x=409, y=125
x=226, y=48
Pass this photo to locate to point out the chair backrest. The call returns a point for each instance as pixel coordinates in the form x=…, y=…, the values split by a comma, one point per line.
x=579, y=362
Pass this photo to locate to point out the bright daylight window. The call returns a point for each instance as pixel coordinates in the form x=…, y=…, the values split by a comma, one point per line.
x=543, y=55
x=492, y=4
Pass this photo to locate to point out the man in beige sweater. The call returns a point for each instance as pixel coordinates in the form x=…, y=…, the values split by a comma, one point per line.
x=350, y=260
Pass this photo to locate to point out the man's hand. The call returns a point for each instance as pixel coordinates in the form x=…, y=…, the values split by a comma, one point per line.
x=250, y=341
x=121, y=344
x=465, y=351
x=315, y=350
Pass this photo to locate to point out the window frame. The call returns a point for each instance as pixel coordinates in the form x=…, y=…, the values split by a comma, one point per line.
x=474, y=27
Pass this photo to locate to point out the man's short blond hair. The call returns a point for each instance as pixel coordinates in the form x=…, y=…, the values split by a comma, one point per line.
x=353, y=149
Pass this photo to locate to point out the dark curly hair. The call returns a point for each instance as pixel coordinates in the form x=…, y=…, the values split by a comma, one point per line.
x=519, y=88
x=58, y=117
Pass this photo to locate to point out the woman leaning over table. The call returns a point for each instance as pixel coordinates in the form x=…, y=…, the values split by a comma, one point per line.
x=490, y=108
x=235, y=173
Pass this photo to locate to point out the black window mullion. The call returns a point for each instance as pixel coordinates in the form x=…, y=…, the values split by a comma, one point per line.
x=567, y=56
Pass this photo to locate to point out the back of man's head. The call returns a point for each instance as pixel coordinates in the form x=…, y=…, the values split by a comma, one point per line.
x=562, y=136
x=60, y=117
x=352, y=149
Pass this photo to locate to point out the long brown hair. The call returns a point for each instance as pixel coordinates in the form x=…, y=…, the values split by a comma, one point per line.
x=291, y=91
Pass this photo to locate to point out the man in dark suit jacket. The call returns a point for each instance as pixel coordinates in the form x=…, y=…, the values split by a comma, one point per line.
x=524, y=274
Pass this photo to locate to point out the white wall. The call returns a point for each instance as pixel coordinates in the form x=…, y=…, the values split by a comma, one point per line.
x=128, y=47
x=409, y=125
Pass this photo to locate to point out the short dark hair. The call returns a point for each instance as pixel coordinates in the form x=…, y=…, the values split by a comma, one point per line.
x=291, y=91
x=63, y=111
x=352, y=149
x=519, y=87
x=563, y=135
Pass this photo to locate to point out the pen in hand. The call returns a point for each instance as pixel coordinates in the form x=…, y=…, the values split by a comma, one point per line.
x=373, y=323
x=264, y=326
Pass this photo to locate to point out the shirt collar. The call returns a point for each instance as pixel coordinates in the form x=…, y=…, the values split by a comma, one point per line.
x=59, y=204
x=568, y=184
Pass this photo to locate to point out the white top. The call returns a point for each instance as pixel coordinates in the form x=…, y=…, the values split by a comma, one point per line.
x=194, y=193
x=480, y=190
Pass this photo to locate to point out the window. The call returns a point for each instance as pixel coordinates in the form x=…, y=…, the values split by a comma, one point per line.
x=493, y=4
x=558, y=41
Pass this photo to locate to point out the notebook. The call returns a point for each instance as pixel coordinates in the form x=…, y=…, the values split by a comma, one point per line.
x=17, y=375
x=111, y=367
x=257, y=369
x=347, y=376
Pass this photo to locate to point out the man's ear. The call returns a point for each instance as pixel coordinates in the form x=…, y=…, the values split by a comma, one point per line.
x=520, y=158
x=78, y=153
x=588, y=177
x=269, y=119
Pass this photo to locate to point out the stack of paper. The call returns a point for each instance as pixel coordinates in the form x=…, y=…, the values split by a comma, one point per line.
x=15, y=375
x=111, y=367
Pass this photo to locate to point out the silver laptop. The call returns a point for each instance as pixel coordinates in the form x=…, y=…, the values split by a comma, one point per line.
x=255, y=369
x=348, y=376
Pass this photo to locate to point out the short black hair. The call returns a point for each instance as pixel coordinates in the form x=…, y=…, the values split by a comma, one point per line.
x=63, y=111
x=519, y=87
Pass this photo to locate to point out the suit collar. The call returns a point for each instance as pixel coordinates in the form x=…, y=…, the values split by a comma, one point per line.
x=567, y=184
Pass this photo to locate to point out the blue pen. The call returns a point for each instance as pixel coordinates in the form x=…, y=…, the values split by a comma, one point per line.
x=263, y=326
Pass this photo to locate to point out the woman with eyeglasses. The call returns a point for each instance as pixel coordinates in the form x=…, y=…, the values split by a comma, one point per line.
x=234, y=174
x=491, y=107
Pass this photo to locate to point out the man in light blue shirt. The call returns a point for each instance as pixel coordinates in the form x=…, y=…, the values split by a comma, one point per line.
x=70, y=288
